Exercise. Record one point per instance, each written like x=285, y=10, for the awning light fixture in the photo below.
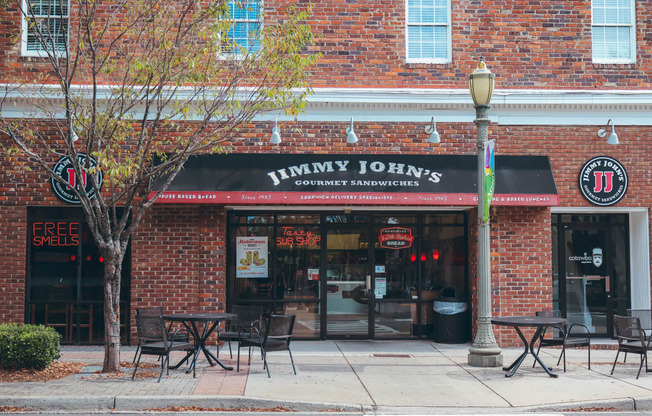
x=350, y=134
x=613, y=137
x=276, y=133
x=432, y=131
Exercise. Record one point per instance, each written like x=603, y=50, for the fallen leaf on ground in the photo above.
x=56, y=370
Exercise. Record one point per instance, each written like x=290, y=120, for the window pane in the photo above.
x=245, y=31
x=414, y=13
x=441, y=44
x=427, y=32
x=414, y=42
x=441, y=11
x=428, y=42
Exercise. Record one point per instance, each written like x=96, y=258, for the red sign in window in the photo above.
x=55, y=234
x=396, y=237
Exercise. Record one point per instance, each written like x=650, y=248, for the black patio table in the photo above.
x=516, y=322
x=190, y=321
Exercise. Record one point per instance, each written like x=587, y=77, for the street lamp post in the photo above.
x=485, y=351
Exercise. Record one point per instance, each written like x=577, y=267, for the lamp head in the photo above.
x=432, y=131
x=350, y=134
x=276, y=134
x=613, y=137
x=481, y=84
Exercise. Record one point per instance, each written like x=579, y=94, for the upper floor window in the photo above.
x=45, y=27
x=244, y=35
x=614, y=34
x=429, y=31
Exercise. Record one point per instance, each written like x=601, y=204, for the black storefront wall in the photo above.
x=358, y=180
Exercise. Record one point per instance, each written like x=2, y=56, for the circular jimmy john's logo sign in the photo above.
x=65, y=169
x=603, y=181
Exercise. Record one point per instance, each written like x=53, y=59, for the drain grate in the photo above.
x=391, y=355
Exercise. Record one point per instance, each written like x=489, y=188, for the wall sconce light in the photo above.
x=432, y=131
x=276, y=133
x=350, y=134
x=613, y=137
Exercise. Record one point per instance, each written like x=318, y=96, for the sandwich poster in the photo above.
x=251, y=257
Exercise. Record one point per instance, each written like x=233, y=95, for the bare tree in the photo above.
x=140, y=86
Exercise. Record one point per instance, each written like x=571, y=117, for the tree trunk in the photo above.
x=112, y=278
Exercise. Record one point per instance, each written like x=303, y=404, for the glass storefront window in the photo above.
x=297, y=268
x=347, y=219
x=298, y=218
x=399, y=263
x=253, y=277
x=352, y=275
x=445, y=263
x=65, y=277
x=396, y=219
x=254, y=219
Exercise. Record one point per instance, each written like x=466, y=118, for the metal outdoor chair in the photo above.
x=245, y=325
x=179, y=335
x=276, y=337
x=645, y=317
x=563, y=336
x=631, y=339
x=153, y=339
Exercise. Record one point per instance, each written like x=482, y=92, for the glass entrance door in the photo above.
x=587, y=279
x=348, y=283
x=593, y=271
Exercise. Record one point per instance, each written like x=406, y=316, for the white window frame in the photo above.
x=449, y=40
x=24, y=31
x=236, y=54
x=632, y=36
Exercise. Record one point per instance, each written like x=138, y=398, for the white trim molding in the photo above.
x=396, y=105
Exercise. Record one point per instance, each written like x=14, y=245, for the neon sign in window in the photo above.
x=55, y=234
x=297, y=237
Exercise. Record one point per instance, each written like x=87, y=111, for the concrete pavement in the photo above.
x=382, y=377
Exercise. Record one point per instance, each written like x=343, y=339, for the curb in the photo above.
x=143, y=403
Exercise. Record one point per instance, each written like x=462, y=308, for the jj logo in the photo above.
x=604, y=181
x=65, y=169
x=72, y=178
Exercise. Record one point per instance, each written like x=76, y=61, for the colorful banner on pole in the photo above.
x=489, y=177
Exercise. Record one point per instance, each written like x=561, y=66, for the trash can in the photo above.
x=451, y=318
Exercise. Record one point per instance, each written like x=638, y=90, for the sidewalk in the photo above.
x=356, y=376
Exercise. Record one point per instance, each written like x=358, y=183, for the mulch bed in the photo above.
x=61, y=369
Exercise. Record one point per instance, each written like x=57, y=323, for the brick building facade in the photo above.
x=554, y=90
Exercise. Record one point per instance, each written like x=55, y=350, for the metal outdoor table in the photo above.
x=190, y=321
x=516, y=322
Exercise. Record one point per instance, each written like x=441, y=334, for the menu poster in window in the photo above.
x=380, y=287
x=313, y=274
x=251, y=257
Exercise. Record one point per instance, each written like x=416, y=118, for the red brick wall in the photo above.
x=178, y=251
x=528, y=44
x=178, y=257
x=13, y=240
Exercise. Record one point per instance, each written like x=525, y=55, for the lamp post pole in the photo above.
x=484, y=351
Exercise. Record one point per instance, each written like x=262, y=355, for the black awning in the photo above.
x=358, y=179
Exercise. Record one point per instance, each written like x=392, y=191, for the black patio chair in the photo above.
x=179, y=335
x=153, y=339
x=245, y=325
x=631, y=339
x=564, y=337
x=645, y=317
x=276, y=337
